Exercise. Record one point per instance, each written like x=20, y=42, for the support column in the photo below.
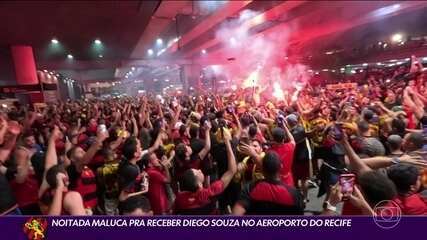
x=25, y=66
x=25, y=70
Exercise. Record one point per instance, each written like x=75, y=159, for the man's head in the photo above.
x=253, y=130
x=28, y=139
x=132, y=149
x=192, y=180
x=194, y=131
x=398, y=126
x=394, y=142
x=271, y=165
x=292, y=120
x=256, y=145
x=76, y=154
x=51, y=176
x=363, y=127
x=406, y=178
x=151, y=160
x=136, y=206
x=376, y=187
x=279, y=135
x=183, y=152
x=413, y=141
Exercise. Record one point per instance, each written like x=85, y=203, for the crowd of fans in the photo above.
x=213, y=154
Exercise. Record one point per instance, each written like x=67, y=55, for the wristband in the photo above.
x=395, y=160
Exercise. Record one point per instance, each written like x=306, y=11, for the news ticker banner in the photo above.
x=207, y=227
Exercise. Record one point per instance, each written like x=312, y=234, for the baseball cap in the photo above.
x=292, y=118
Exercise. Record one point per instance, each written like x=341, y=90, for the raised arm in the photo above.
x=289, y=134
x=10, y=142
x=51, y=158
x=231, y=161
x=356, y=164
x=157, y=143
x=204, y=152
x=90, y=153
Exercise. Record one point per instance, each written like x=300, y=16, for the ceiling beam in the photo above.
x=161, y=19
x=230, y=8
x=108, y=64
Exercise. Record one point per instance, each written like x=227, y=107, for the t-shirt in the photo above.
x=7, y=199
x=157, y=190
x=199, y=202
x=301, y=149
x=269, y=197
x=286, y=154
x=414, y=204
x=108, y=176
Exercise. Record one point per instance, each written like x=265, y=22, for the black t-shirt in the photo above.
x=7, y=199
x=301, y=150
x=129, y=177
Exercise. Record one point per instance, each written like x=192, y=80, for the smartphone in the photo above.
x=102, y=128
x=346, y=182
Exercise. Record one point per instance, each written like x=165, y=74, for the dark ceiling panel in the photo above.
x=76, y=24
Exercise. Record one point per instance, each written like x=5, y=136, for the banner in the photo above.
x=340, y=86
x=206, y=228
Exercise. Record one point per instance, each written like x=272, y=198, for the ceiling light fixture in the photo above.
x=54, y=41
x=69, y=56
x=97, y=41
x=397, y=37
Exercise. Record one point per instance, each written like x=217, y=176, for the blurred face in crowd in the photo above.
x=154, y=160
x=29, y=141
x=138, y=152
x=417, y=185
x=139, y=212
x=391, y=97
x=188, y=152
x=256, y=146
x=74, y=138
x=200, y=178
x=78, y=154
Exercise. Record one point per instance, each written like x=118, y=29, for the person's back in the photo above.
x=286, y=153
x=407, y=180
x=270, y=196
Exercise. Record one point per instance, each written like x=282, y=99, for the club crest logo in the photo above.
x=35, y=228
